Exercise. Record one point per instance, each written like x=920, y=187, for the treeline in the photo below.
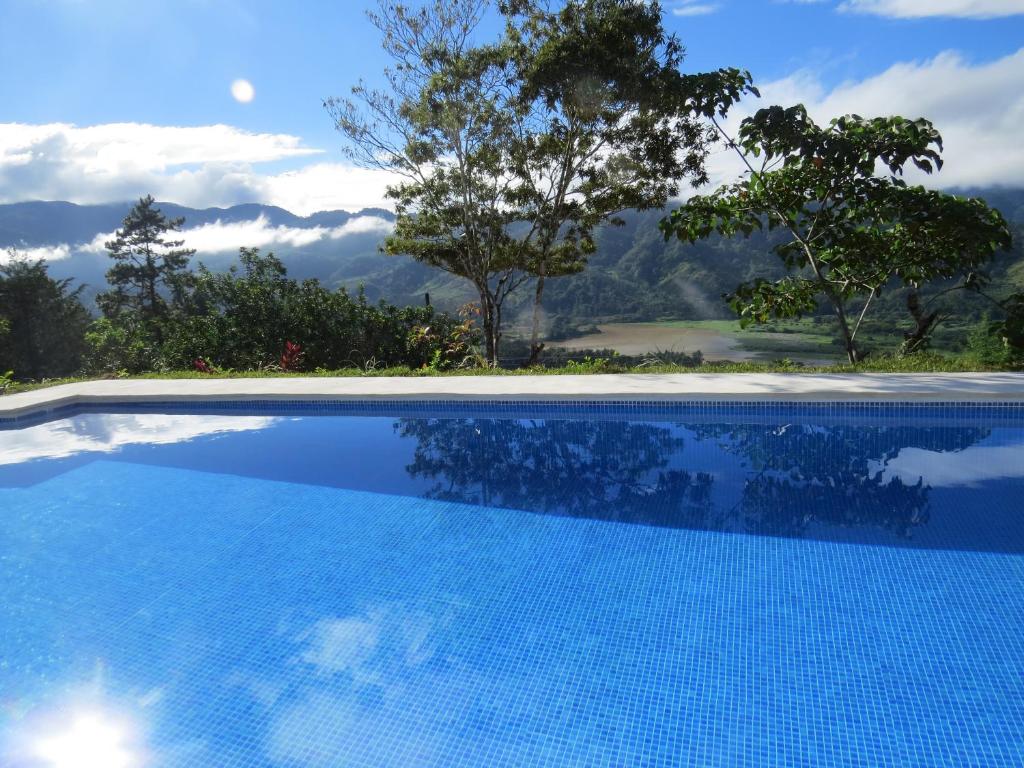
x=160, y=316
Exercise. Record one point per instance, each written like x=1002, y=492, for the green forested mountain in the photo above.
x=635, y=274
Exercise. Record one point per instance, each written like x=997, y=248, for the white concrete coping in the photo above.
x=882, y=387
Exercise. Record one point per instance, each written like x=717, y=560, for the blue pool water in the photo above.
x=601, y=588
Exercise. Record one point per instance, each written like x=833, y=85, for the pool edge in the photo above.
x=962, y=388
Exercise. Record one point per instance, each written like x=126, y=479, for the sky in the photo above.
x=108, y=100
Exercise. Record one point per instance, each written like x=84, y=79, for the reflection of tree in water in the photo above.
x=805, y=475
x=598, y=469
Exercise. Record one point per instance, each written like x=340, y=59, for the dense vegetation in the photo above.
x=160, y=316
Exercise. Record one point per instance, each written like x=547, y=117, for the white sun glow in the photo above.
x=242, y=91
x=90, y=741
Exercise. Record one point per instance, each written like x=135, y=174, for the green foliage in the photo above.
x=919, y=363
x=599, y=128
x=1000, y=343
x=41, y=321
x=6, y=380
x=662, y=357
x=448, y=345
x=1011, y=329
x=589, y=365
x=244, y=318
x=847, y=233
x=120, y=346
x=146, y=265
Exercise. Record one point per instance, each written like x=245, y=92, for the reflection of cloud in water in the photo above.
x=970, y=466
x=373, y=669
x=342, y=645
x=326, y=730
x=385, y=687
x=106, y=433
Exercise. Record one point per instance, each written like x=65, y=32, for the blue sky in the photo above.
x=94, y=63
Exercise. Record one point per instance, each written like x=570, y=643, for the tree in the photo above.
x=440, y=126
x=43, y=319
x=146, y=265
x=849, y=232
x=598, y=129
x=513, y=152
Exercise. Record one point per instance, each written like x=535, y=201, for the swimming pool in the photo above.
x=513, y=584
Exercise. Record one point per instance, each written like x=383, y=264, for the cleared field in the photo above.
x=716, y=339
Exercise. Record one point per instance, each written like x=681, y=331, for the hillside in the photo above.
x=634, y=275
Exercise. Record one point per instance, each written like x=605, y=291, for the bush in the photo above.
x=246, y=318
x=42, y=321
x=120, y=345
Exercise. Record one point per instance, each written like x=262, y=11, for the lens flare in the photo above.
x=90, y=741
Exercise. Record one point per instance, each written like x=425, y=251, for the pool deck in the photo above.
x=887, y=387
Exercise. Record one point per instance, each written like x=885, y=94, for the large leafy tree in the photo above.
x=439, y=127
x=598, y=129
x=512, y=152
x=848, y=231
x=44, y=320
x=147, y=265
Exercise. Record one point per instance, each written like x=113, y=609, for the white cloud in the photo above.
x=915, y=9
x=258, y=233
x=978, y=109
x=109, y=433
x=694, y=8
x=44, y=252
x=200, y=166
x=968, y=467
x=119, y=148
x=325, y=187
x=220, y=236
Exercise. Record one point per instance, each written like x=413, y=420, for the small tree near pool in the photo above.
x=849, y=232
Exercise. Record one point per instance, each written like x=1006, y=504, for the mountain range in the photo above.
x=634, y=275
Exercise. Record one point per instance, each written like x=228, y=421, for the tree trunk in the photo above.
x=924, y=324
x=491, y=318
x=536, y=345
x=852, y=353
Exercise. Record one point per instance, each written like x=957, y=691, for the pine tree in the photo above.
x=146, y=265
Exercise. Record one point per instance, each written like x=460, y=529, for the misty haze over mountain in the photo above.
x=635, y=274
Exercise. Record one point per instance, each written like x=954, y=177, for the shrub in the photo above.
x=254, y=317
x=42, y=321
x=120, y=345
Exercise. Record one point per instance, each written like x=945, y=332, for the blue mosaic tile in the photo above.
x=858, y=410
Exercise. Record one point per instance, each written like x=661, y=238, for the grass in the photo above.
x=930, y=363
